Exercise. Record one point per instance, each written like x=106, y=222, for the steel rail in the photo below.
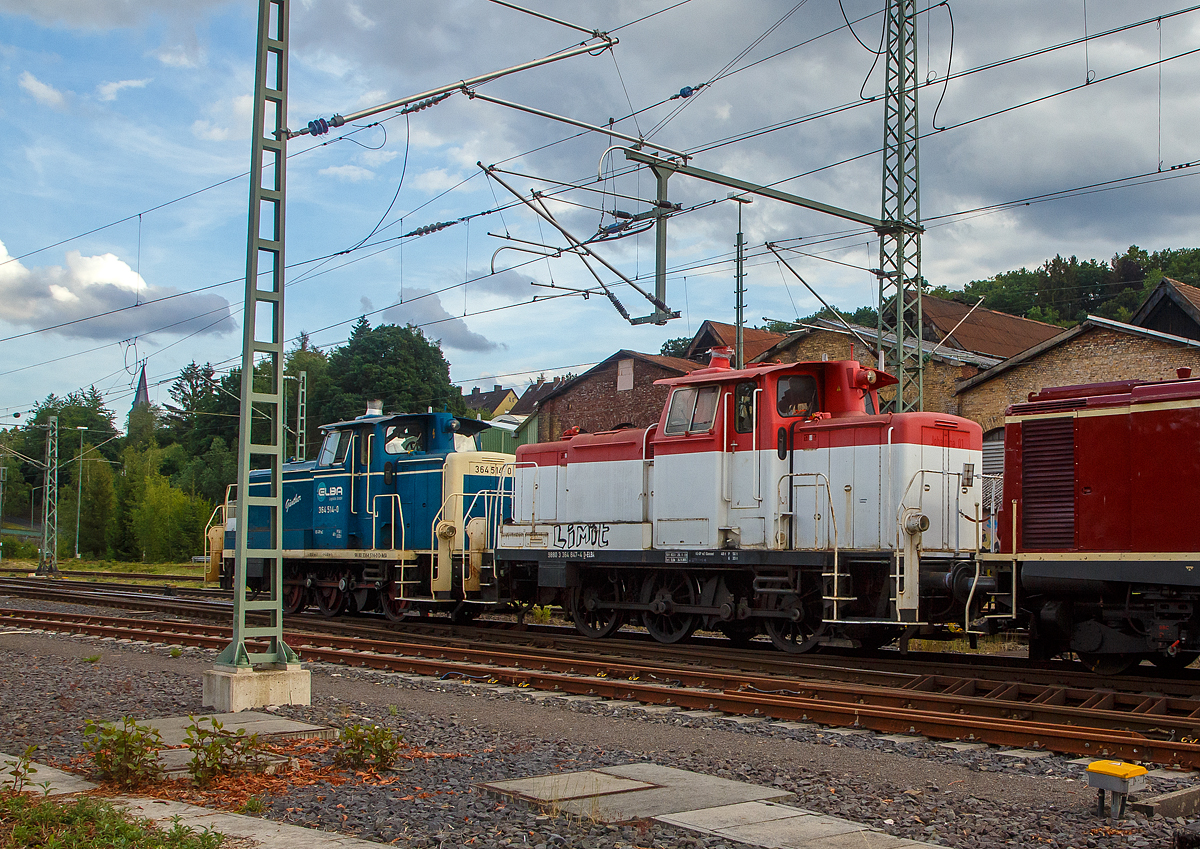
x=874, y=708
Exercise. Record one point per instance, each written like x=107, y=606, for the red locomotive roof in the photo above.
x=1118, y=393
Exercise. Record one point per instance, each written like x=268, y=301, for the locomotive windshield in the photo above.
x=797, y=395
x=334, y=448
x=692, y=410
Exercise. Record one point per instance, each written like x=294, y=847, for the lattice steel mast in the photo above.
x=48, y=562
x=900, y=281
x=262, y=344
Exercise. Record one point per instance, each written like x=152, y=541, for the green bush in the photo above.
x=126, y=753
x=216, y=751
x=368, y=747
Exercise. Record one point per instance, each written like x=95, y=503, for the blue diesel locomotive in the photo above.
x=398, y=513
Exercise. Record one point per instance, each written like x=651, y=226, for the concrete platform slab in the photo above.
x=844, y=732
x=632, y=791
x=730, y=816
x=794, y=726
x=264, y=833
x=783, y=827
x=172, y=729
x=742, y=720
x=580, y=698
x=60, y=783
x=1173, y=774
x=571, y=785
x=700, y=714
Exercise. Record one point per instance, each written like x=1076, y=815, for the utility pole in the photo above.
x=263, y=314
x=48, y=563
x=79, y=497
x=900, y=281
x=740, y=281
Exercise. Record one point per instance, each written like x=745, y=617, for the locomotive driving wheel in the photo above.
x=295, y=596
x=330, y=594
x=665, y=592
x=394, y=608
x=588, y=606
x=794, y=634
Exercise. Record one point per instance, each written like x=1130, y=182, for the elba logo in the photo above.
x=324, y=492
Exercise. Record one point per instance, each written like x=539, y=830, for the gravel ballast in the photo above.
x=50, y=684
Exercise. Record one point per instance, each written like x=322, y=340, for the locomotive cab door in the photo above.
x=743, y=444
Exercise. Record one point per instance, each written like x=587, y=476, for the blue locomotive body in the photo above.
x=398, y=513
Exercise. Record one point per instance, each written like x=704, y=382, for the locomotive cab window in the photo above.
x=692, y=410
x=797, y=395
x=334, y=448
x=743, y=407
x=404, y=437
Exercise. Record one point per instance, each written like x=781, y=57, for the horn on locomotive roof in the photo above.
x=375, y=407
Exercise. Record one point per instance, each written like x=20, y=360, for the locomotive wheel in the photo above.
x=1109, y=664
x=394, y=608
x=295, y=597
x=1174, y=663
x=330, y=597
x=665, y=591
x=793, y=636
x=591, y=620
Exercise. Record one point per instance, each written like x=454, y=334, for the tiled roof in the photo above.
x=754, y=341
x=986, y=331
x=1190, y=292
x=530, y=398
x=489, y=401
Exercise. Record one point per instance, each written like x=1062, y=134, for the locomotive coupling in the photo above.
x=914, y=521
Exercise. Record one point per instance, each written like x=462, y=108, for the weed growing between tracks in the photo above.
x=310, y=763
x=87, y=823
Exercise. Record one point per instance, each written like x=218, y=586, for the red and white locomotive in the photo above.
x=774, y=498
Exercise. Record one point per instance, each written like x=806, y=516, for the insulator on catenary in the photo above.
x=429, y=228
x=425, y=104
x=320, y=126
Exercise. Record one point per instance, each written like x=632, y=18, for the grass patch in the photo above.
x=88, y=824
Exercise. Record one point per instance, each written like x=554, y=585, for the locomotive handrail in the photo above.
x=900, y=508
x=374, y=511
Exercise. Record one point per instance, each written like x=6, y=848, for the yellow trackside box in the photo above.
x=1117, y=776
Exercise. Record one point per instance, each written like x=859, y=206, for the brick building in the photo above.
x=1095, y=351
x=618, y=391
x=944, y=368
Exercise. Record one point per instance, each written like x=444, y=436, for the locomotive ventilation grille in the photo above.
x=1048, y=483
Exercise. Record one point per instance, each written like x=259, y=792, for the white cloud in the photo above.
x=93, y=286
x=376, y=158
x=358, y=18
x=109, y=91
x=231, y=119
x=425, y=310
x=435, y=180
x=349, y=173
x=42, y=92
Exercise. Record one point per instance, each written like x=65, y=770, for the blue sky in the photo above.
x=113, y=108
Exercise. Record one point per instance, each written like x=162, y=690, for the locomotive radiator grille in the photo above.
x=1048, y=483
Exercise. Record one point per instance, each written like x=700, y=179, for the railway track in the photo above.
x=1140, y=726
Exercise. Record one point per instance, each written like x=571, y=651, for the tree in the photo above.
x=397, y=365
x=676, y=347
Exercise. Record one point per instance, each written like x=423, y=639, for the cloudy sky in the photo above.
x=127, y=125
